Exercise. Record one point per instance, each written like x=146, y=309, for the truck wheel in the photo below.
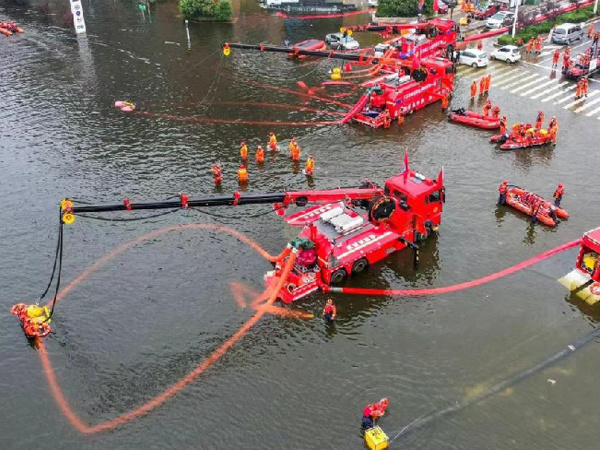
x=338, y=276
x=359, y=266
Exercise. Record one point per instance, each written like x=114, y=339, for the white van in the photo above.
x=567, y=33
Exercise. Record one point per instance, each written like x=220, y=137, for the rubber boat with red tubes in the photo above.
x=315, y=45
x=540, y=139
x=474, y=119
x=526, y=202
x=11, y=26
x=584, y=279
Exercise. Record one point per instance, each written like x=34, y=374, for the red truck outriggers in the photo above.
x=584, y=280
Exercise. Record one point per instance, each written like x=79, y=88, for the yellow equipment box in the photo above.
x=376, y=439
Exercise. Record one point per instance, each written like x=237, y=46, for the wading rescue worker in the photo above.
x=216, y=171
x=330, y=311
x=244, y=151
x=272, y=141
x=558, y=194
x=473, y=89
x=502, y=191
x=373, y=412
x=486, y=107
x=242, y=174
x=496, y=112
x=503, y=125
x=309, y=168
x=540, y=120
x=260, y=155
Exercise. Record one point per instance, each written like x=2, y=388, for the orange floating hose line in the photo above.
x=158, y=400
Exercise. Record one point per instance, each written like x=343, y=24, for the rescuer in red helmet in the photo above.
x=502, y=190
x=558, y=194
x=216, y=171
x=486, y=107
x=330, y=311
x=260, y=155
x=272, y=141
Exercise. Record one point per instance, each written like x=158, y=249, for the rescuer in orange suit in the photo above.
x=488, y=82
x=216, y=171
x=272, y=141
x=370, y=414
x=585, y=84
x=538, y=45
x=330, y=311
x=479, y=45
x=555, y=58
x=242, y=174
x=502, y=191
x=566, y=61
x=294, y=150
x=486, y=107
x=529, y=48
x=481, y=85
x=310, y=165
x=260, y=155
x=496, y=111
x=503, y=124
x=558, y=194
x=473, y=89
x=540, y=120
x=244, y=151
x=445, y=102
x=400, y=119
x=579, y=89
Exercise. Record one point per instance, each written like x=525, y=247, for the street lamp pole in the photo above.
x=596, y=7
x=514, y=27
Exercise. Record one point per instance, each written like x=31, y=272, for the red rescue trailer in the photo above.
x=584, y=280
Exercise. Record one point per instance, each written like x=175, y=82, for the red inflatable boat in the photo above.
x=309, y=44
x=474, y=119
x=537, y=141
x=526, y=201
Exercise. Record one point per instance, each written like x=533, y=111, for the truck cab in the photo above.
x=584, y=280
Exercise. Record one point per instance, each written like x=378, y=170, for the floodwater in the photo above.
x=148, y=317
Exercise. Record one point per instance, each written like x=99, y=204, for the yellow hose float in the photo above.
x=336, y=74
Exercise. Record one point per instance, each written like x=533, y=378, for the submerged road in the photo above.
x=154, y=313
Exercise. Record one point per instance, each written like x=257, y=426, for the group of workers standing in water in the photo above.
x=295, y=154
x=484, y=86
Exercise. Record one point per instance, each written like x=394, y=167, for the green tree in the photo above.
x=402, y=8
x=223, y=10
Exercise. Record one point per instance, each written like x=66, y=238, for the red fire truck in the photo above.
x=342, y=234
x=584, y=280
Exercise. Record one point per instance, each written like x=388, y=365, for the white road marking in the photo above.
x=537, y=80
x=499, y=77
x=494, y=73
x=580, y=100
x=558, y=93
x=521, y=80
x=587, y=105
x=591, y=113
x=537, y=88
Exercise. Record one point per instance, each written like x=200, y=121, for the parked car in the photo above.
x=500, y=19
x=567, y=33
x=508, y=53
x=484, y=12
x=472, y=57
x=339, y=42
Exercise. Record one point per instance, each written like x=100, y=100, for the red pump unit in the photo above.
x=584, y=280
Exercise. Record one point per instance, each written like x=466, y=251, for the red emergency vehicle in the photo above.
x=584, y=280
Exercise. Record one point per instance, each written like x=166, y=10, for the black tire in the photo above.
x=474, y=65
x=359, y=266
x=339, y=276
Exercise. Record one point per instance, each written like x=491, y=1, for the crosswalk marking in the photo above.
x=495, y=73
x=580, y=100
x=544, y=100
x=586, y=105
x=511, y=78
x=504, y=75
x=519, y=81
x=523, y=86
x=595, y=111
x=537, y=88
x=546, y=91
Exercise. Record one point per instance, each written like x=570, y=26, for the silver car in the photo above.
x=339, y=42
x=567, y=33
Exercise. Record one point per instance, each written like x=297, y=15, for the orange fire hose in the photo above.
x=161, y=398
